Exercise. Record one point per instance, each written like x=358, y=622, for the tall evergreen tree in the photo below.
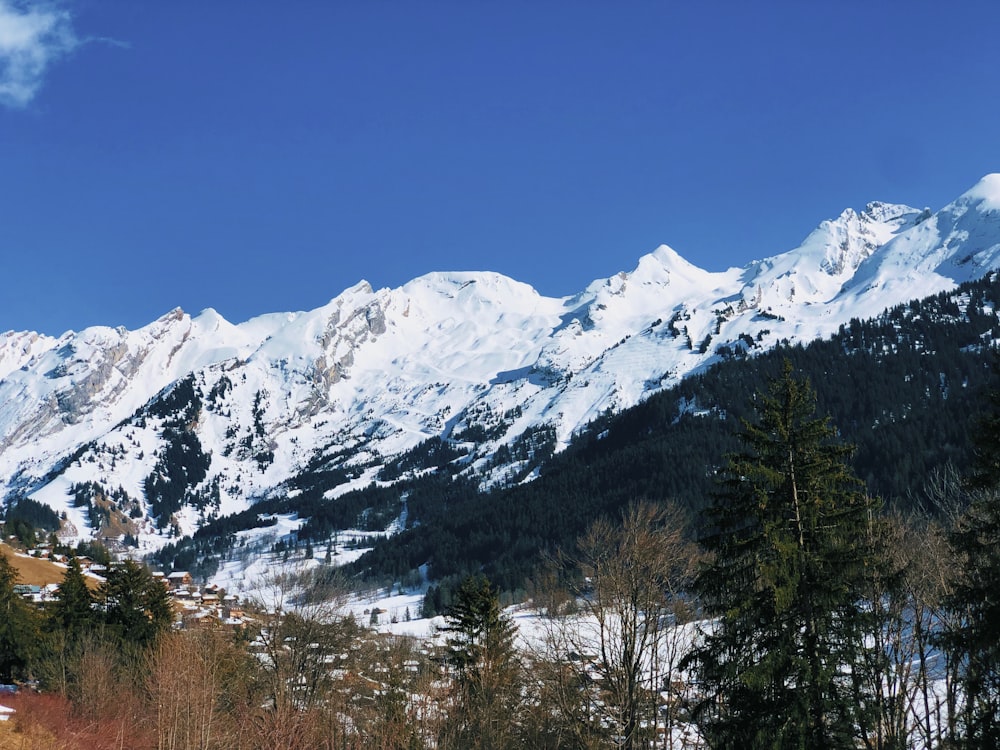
x=136, y=605
x=487, y=672
x=787, y=534
x=69, y=622
x=73, y=610
x=18, y=627
x=974, y=644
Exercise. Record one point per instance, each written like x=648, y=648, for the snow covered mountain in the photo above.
x=148, y=433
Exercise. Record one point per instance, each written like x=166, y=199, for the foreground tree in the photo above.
x=137, y=608
x=903, y=683
x=974, y=644
x=399, y=711
x=788, y=535
x=632, y=578
x=73, y=608
x=196, y=684
x=302, y=630
x=487, y=670
x=69, y=621
x=18, y=627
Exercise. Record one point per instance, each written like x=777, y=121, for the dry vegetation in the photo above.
x=34, y=571
x=48, y=722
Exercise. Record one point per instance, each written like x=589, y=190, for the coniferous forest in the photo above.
x=904, y=389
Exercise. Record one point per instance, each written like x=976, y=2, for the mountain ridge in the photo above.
x=449, y=354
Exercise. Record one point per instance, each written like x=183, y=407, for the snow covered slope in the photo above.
x=149, y=432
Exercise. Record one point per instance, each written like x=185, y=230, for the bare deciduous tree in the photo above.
x=623, y=647
x=302, y=631
x=194, y=680
x=912, y=683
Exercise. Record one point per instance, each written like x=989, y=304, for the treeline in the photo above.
x=369, y=509
x=125, y=614
x=25, y=518
x=301, y=675
x=112, y=673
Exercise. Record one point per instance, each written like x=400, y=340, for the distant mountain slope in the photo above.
x=147, y=435
x=905, y=388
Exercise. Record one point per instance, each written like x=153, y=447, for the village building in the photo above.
x=179, y=578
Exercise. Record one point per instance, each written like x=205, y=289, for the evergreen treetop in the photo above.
x=136, y=605
x=479, y=630
x=72, y=610
x=788, y=539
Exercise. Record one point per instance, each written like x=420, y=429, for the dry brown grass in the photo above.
x=24, y=732
x=13, y=737
x=47, y=722
x=37, y=572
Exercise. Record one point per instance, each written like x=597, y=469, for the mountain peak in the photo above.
x=986, y=193
x=666, y=266
x=889, y=213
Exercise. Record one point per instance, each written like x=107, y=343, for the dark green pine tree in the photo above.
x=787, y=533
x=136, y=605
x=19, y=632
x=73, y=610
x=487, y=671
x=480, y=634
x=975, y=643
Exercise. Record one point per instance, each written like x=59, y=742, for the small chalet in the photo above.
x=179, y=578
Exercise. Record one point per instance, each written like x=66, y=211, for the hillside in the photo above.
x=904, y=388
x=35, y=571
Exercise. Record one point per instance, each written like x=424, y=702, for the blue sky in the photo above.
x=258, y=156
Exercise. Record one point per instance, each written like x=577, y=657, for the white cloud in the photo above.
x=32, y=37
